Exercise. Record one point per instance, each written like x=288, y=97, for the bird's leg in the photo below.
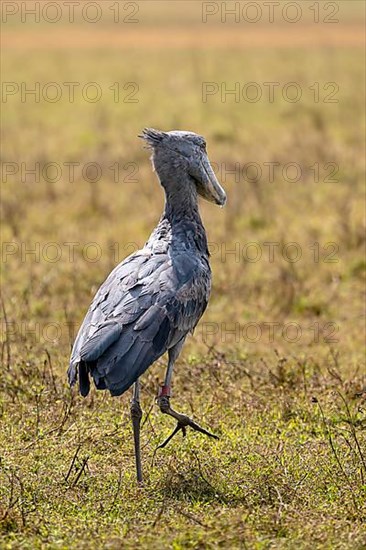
x=136, y=414
x=164, y=404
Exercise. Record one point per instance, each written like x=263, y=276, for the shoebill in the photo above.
x=154, y=298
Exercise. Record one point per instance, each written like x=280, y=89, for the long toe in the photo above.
x=182, y=425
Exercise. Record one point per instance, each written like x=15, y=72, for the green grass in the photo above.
x=289, y=468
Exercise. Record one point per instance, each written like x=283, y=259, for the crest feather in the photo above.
x=151, y=136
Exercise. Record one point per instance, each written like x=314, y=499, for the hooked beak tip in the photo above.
x=220, y=196
x=223, y=202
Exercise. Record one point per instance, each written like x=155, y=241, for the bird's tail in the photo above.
x=81, y=370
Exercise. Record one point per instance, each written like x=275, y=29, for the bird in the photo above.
x=155, y=297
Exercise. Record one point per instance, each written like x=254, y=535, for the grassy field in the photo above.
x=276, y=367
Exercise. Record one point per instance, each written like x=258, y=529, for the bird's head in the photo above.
x=185, y=152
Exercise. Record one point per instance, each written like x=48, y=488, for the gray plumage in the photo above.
x=156, y=296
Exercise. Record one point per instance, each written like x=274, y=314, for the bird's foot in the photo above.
x=183, y=420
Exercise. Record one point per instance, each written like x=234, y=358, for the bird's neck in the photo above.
x=181, y=200
x=181, y=219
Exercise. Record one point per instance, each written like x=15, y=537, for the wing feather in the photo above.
x=146, y=305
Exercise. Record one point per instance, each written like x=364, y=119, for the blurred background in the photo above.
x=277, y=90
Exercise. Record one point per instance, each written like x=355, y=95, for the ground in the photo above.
x=276, y=367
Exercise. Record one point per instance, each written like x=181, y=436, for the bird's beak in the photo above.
x=209, y=187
